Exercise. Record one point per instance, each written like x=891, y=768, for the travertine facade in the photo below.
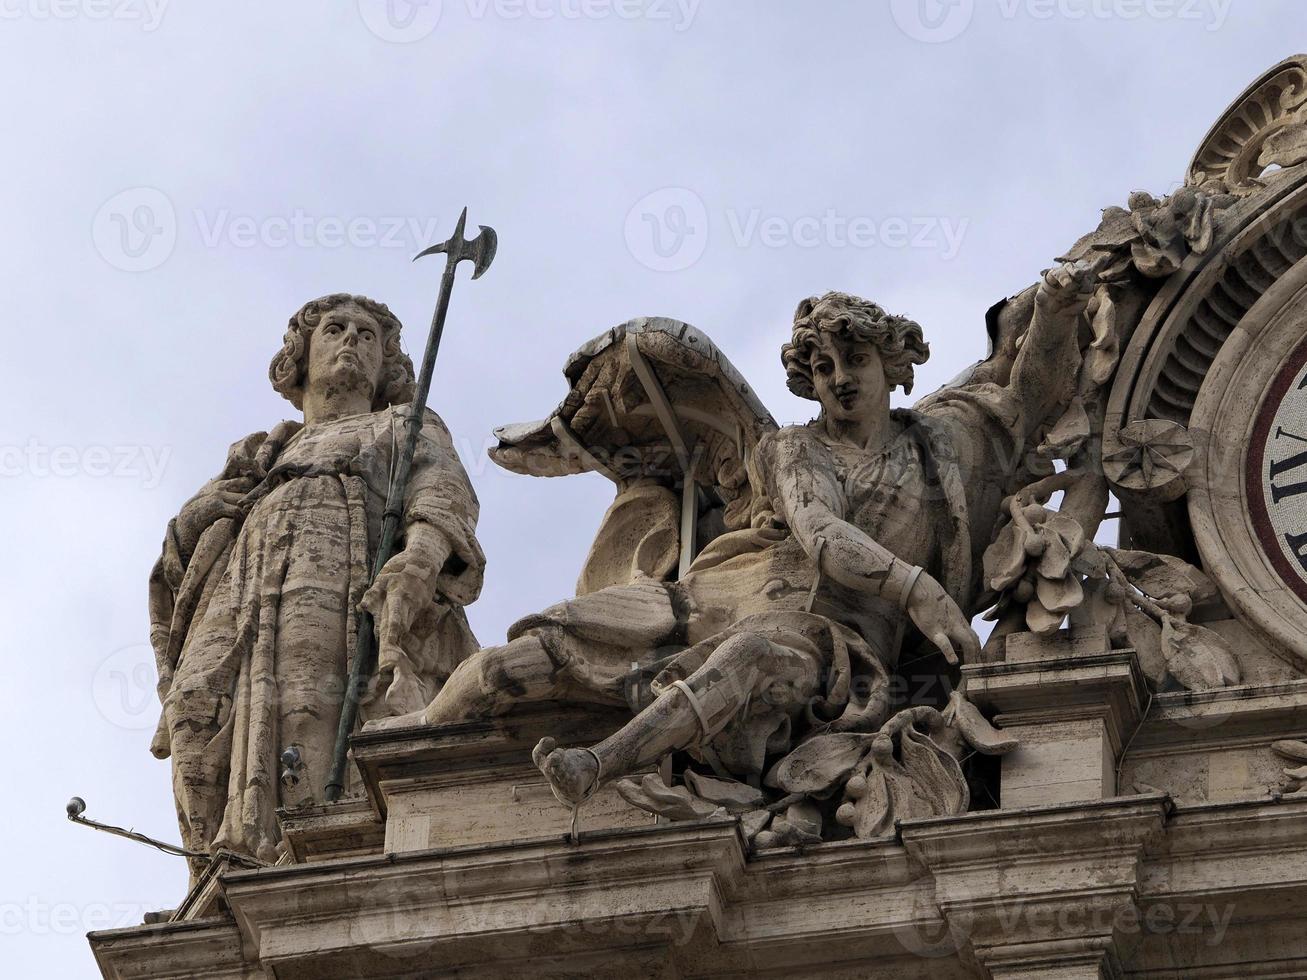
x=762, y=738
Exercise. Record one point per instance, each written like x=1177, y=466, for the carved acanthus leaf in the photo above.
x=651, y=794
x=1165, y=578
x=923, y=781
x=1034, y=562
x=975, y=729
x=821, y=764
x=1146, y=637
x=1197, y=657
x=1287, y=147
x=735, y=796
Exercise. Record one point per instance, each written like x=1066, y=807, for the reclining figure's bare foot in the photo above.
x=414, y=719
x=573, y=774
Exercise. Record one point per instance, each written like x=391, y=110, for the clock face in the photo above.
x=1246, y=489
x=1276, y=474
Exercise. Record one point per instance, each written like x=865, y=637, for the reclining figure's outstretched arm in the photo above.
x=809, y=499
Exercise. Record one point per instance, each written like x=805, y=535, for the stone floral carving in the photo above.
x=1034, y=562
x=1154, y=595
x=1153, y=236
x=1042, y=567
x=1152, y=458
x=1170, y=228
x=252, y=602
x=1071, y=436
x=909, y=768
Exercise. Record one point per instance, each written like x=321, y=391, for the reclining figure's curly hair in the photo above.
x=898, y=339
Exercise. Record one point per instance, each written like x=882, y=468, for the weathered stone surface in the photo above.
x=1085, y=889
x=253, y=602
x=807, y=590
x=476, y=784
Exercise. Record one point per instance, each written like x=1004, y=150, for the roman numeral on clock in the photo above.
x=1284, y=466
x=1298, y=545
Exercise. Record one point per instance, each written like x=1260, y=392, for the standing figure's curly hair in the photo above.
x=898, y=339
x=289, y=369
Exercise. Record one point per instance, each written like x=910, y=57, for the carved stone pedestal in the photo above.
x=475, y=783
x=1073, y=704
x=1090, y=730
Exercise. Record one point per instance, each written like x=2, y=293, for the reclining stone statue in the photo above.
x=253, y=601
x=854, y=534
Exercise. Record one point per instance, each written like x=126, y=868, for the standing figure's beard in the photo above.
x=346, y=376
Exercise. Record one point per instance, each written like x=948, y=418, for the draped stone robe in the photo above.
x=254, y=627
x=929, y=497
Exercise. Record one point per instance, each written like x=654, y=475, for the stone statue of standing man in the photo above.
x=253, y=600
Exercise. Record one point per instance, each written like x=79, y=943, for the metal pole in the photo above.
x=481, y=250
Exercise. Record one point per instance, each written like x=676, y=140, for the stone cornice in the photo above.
x=1001, y=892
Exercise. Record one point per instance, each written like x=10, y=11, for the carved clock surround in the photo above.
x=1230, y=421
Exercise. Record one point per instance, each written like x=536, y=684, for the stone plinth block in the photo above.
x=474, y=783
x=1073, y=703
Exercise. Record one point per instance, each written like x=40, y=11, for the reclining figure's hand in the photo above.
x=941, y=621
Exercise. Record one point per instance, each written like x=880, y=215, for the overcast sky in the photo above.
x=178, y=178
